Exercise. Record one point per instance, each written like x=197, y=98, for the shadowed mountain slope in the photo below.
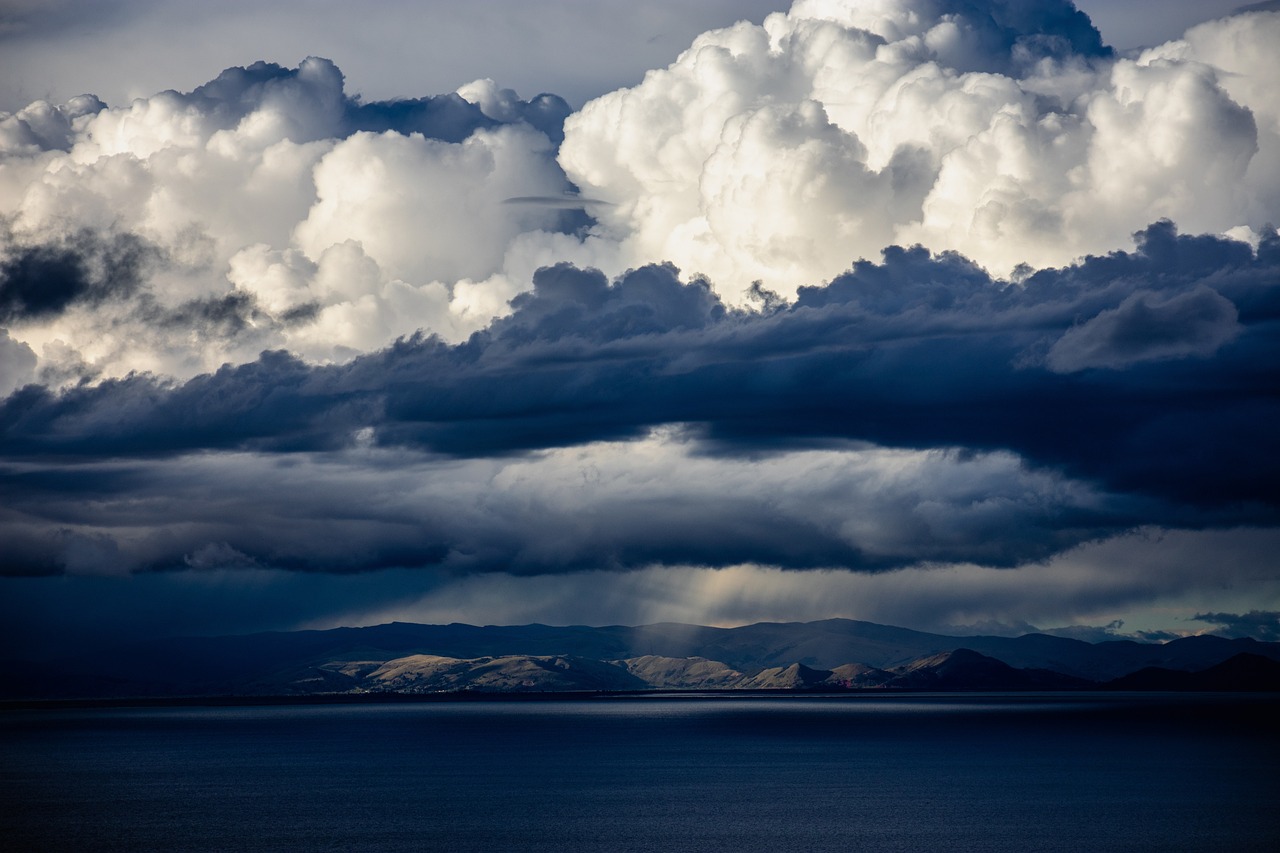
x=965, y=669
x=1242, y=672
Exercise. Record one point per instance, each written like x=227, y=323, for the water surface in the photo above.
x=1016, y=773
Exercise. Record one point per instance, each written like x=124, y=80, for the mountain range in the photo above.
x=833, y=654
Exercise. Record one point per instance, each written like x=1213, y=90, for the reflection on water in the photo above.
x=993, y=772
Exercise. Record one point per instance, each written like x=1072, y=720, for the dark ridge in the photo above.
x=1244, y=672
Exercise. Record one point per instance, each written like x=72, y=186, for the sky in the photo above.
x=959, y=315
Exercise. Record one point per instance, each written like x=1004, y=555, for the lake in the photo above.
x=1019, y=772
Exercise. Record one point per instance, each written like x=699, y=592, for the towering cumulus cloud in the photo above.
x=1004, y=130
x=871, y=286
x=278, y=211
x=270, y=209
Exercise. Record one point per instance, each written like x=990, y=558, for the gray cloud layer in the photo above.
x=1259, y=624
x=916, y=352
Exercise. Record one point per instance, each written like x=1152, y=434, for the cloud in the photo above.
x=1260, y=624
x=51, y=617
x=919, y=351
x=1146, y=576
x=1236, y=47
x=17, y=364
x=563, y=46
x=42, y=126
x=40, y=280
x=1144, y=328
x=1090, y=633
x=778, y=153
x=1005, y=131
x=25, y=18
x=605, y=505
x=459, y=228
x=271, y=189
x=266, y=325
x=908, y=412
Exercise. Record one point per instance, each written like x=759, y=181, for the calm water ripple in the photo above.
x=1015, y=773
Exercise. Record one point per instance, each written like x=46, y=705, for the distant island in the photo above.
x=834, y=655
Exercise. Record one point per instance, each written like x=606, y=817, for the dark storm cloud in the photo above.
x=51, y=617
x=43, y=280
x=1259, y=624
x=918, y=351
x=1145, y=327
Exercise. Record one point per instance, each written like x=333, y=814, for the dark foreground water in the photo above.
x=1016, y=773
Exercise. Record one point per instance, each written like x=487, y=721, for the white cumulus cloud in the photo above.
x=785, y=151
x=283, y=213
x=275, y=221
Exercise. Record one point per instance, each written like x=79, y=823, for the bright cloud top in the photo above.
x=1004, y=131
x=269, y=209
